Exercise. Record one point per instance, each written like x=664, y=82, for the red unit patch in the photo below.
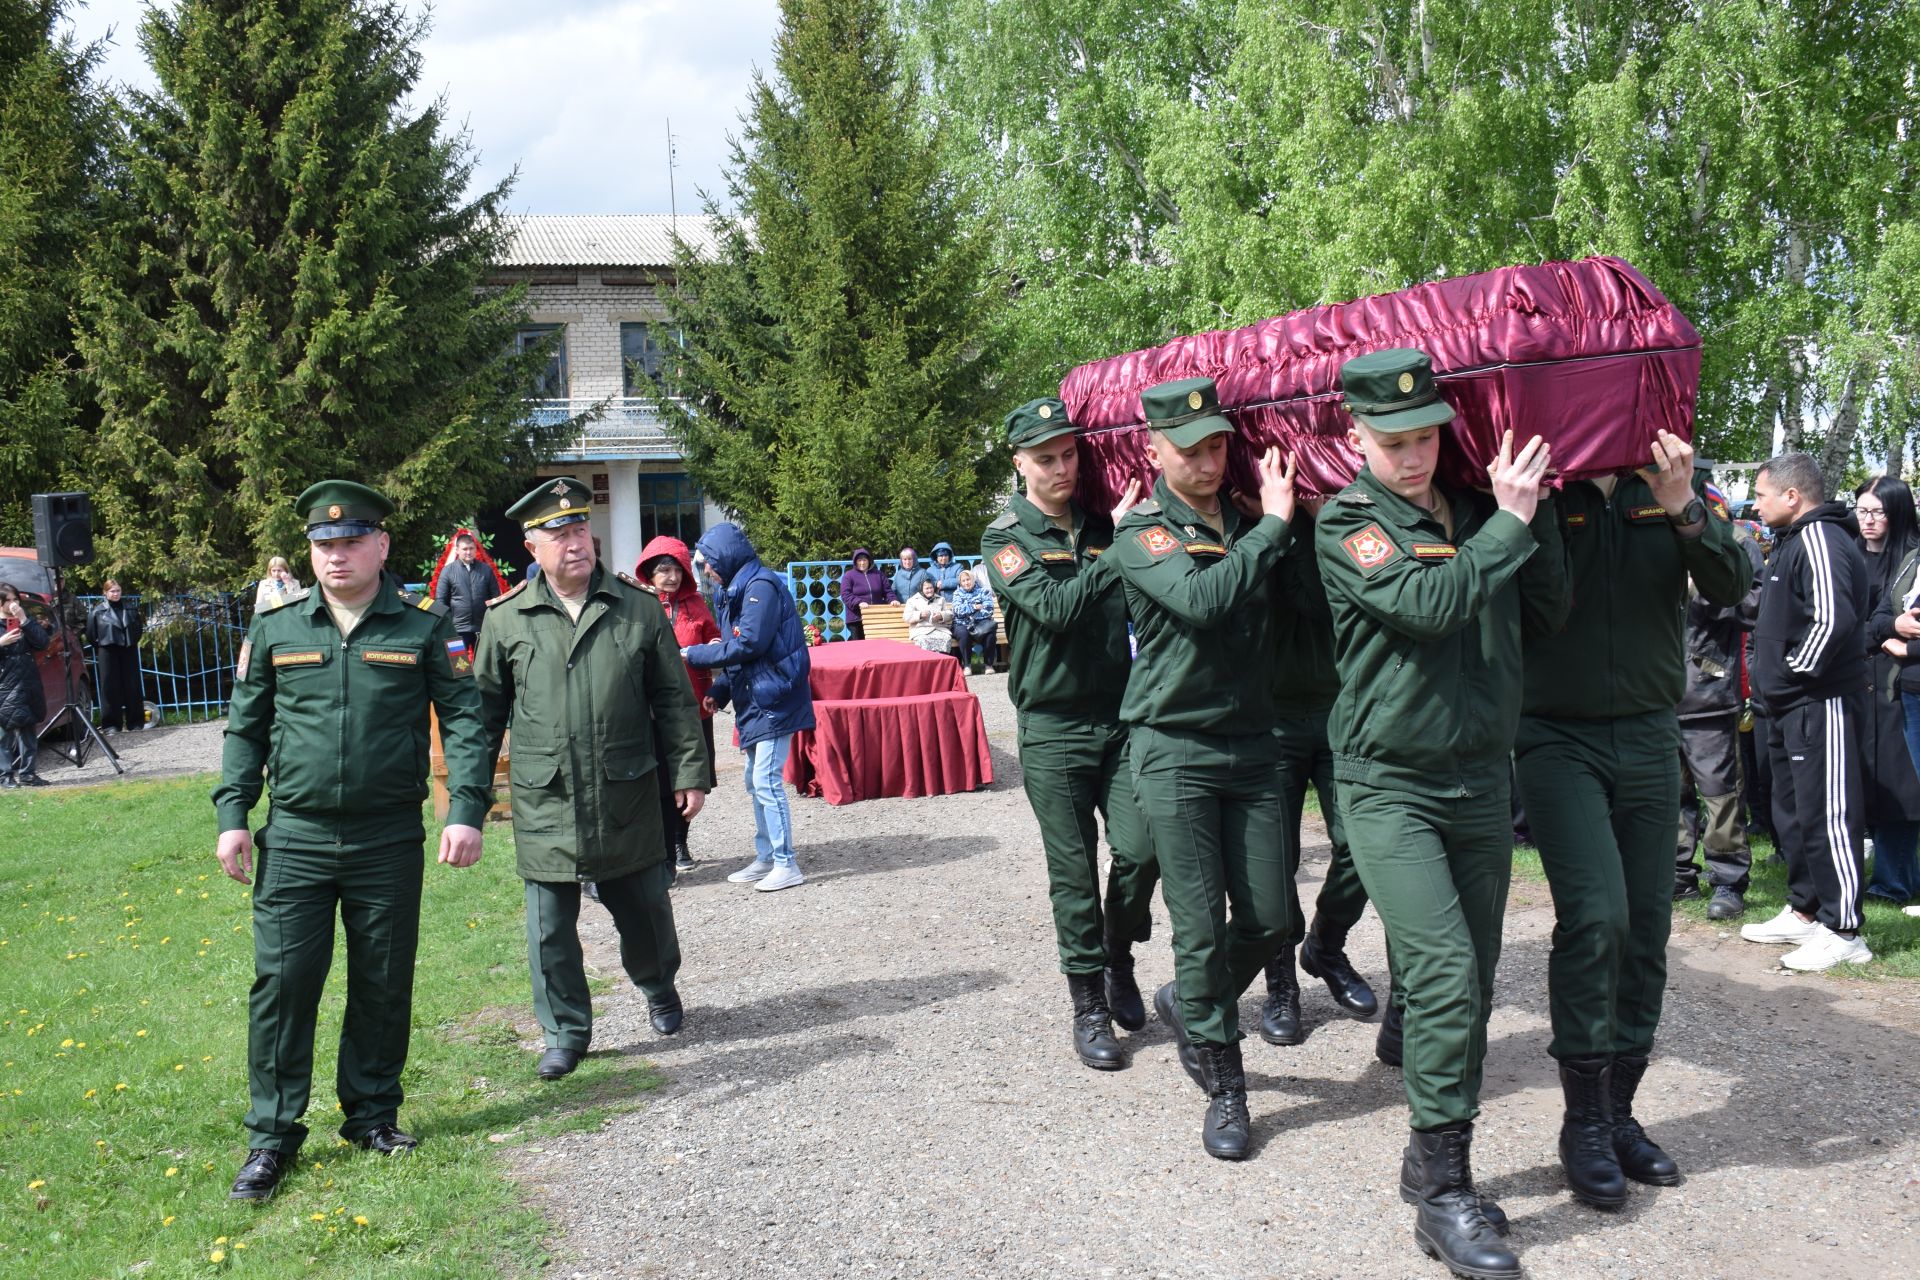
x=1370, y=548
x=1009, y=562
x=1158, y=541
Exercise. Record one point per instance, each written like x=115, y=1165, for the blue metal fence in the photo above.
x=816, y=589
x=188, y=653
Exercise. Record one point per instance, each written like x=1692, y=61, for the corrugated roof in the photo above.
x=602, y=239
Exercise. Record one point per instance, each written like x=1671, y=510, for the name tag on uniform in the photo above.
x=1647, y=515
x=390, y=657
x=1577, y=521
x=299, y=657
x=1057, y=557
x=1434, y=550
x=1094, y=551
x=1205, y=549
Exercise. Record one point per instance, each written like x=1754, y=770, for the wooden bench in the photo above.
x=889, y=622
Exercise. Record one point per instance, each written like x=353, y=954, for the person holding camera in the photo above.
x=23, y=702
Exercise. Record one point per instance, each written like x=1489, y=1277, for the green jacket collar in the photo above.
x=1038, y=522
x=1397, y=509
x=541, y=594
x=1174, y=511
x=386, y=599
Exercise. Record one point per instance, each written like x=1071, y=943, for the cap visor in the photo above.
x=1188, y=434
x=345, y=529
x=1437, y=414
x=1050, y=433
x=561, y=522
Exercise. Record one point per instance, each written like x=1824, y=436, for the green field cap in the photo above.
x=341, y=509
x=1037, y=420
x=1393, y=391
x=1185, y=411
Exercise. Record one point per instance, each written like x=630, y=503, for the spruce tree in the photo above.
x=837, y=385
x=289, y=288
x=51, y=126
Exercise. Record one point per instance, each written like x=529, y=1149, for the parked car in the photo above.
x=63, y=663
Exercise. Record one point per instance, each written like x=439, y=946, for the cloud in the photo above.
x=577, y=93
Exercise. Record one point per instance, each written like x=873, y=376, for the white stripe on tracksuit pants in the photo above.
x=1819, y=806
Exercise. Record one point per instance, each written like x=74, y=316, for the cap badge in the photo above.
x=559, y=488
x=333, y=512
x=1406, y=383
x=1045, y=411
x=1194, y=400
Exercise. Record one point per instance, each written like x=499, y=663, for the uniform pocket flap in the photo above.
x=628, y=765
x=532, y=770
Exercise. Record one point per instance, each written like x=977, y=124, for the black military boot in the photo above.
x=1640, y=1156
x=1410, y=1189
x=1323, y=956
x=1450, y=1222
x=1387, y=1045
x=1093, y=1025
x=1166, y=1003
x=1123, y=993
x=1280, y=1015
x=1586, y=1135
x=1228, y=1131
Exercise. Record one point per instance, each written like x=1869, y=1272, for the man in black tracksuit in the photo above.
x=1809, y=671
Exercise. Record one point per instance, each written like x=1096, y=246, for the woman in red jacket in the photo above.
x=666, y=569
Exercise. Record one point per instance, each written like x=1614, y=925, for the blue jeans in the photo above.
x=772, y=819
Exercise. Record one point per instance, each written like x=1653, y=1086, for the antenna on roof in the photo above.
x=673, y=203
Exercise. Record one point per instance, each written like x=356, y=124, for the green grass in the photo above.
x=1893, y=936
x=127, y=958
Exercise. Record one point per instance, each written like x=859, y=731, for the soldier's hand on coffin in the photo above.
x=1276, y=483
x=1517, y=478
x=1128, y=499
x=1671, y=475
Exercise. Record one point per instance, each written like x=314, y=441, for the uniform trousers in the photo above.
x=649, y=947
x=1603, y=796
x=1075, y=769
x=1819, y=806
x=1306, y=759
x=1437, y=869
x=295, y=896
x=1710, y=805
x=1213, y=805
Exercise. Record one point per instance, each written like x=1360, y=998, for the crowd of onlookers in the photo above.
x=947, y=608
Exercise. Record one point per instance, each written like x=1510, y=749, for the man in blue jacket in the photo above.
x=763, y=668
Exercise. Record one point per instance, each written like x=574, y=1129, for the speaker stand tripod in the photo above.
x=83, y=733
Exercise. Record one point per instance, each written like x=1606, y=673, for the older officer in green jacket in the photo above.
x=1598, y=736
x=1199, y=710
x=1431, y=589
x=331, y=696
x=1067, y=663
x=585, y=664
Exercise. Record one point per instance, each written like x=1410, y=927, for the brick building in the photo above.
x=594, y=280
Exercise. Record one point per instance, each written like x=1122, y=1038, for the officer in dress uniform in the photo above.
x=1199, y=710
x=331, y=695
x=1594, y=757
x=1430, y=588
x=1067, y=662
x=585, y=664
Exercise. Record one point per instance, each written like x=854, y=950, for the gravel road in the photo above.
x=875, y=1079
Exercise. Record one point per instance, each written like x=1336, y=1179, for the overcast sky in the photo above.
x=577, y=93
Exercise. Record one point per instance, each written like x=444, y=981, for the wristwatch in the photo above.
x=1693, y=513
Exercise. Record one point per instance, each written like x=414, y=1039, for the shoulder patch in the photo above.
x=1369, y=549
x=509, y=594
x=1005, y=520
x=1158, y=541
x=1353, y=498
x=291, y=598
x=245, y=661
x=1009, y=561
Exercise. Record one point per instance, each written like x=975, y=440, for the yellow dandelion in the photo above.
x=99, y=1142
x=316, y=1217
x=206, y=942
x=81, y=1045
x=219, y=1239
x=202, y=951
x=141, y=1032
x=218, y=1255
x=239, y=1244
x=359, y=1219
x=172, y=1170
x=121, y=1087
x=203, y=895
x=179, y=1066
x=36, y=1184
x=164, y=941
x=333, y=1228
x=91, y=1092
x=179, y=891
x=206, y=1057
x=66, y=1044
x=167, y=1221
x=342, y=1209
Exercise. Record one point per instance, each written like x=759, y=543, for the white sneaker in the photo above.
x=1912, y=911
x=755, y=870
x=1785, y=927
x=781, y=877
x=1825, y=950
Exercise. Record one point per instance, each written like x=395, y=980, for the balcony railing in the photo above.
x=623, y=428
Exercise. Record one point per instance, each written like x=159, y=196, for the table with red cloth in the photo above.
x=889, y=720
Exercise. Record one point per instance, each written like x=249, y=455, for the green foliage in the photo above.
x=839, y=382
x=288, y=288
x=139, y=952
x=51, y=129
x=1224, y=162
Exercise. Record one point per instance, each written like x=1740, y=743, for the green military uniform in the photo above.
x=339, y=724
x=1427, y=629
x=597, y=706
x=1067, y=663
x=1199, y=707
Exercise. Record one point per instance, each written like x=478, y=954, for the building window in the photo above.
x=670, y=505
x=641, y=356
x=552, y=382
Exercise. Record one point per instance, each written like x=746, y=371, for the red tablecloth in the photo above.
x=890, y=720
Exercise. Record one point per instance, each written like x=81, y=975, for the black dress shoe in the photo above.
x=665, y=1013
x=555, y=1063
x=1330, y=964
x=260, y=1175
x=387, y=1140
